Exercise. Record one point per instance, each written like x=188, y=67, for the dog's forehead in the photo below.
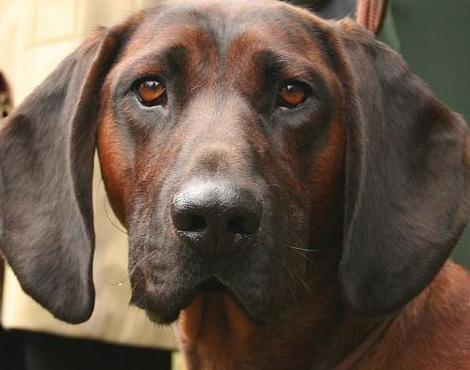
x=222, y=19
x=218, y=25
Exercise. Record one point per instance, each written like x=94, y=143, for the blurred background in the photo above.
x=35, y=35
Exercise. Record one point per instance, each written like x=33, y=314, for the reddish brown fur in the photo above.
x=215, y=335
x=115, y=165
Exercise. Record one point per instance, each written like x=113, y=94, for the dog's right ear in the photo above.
x=46, y=163
x=407, y=179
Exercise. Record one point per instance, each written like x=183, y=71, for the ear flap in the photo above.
x=46, y=164
x=407, y=180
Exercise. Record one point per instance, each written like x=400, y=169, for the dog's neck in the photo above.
x=216, y=335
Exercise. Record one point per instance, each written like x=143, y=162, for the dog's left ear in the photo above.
x=407, y=178
x=46, y=163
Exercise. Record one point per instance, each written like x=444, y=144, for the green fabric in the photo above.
x=434, y=38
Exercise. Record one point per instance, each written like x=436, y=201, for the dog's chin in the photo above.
x=169, y=312
x=163, y=318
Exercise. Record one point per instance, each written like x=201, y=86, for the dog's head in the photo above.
x=246, y=146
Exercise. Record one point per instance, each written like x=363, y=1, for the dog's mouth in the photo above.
x=211, y=286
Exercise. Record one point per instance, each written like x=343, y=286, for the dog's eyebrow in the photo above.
x=165, y=63
x=276, y=65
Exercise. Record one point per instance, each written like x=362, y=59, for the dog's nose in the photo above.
x=214, y=216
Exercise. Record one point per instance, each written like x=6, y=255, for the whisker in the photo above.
x=141, y=261
x=307, y=258
x=304, y=283
x=285, y=282
x=306, y=249
x=292, y=280
x=106, y=211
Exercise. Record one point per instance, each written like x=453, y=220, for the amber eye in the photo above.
x=292, y=94
x=151, y=92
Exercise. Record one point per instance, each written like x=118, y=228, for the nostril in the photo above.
x=246, y=224
x=190, y=222
x=215, y=216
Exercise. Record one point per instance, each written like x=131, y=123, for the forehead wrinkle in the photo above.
x=175, y=35
x=222, y=36
x=287, y=30
x=220, y=20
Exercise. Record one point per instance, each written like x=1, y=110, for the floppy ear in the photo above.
x=46, y=164
x=407, y=179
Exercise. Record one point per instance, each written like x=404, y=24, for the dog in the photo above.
x=292, y=192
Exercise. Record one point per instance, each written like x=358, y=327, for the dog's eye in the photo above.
x=292, y=94
x=151, y=92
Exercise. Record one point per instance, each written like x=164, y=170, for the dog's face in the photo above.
x=228, y=163
x=251, y=149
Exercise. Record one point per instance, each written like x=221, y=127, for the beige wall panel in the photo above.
x=53, y=20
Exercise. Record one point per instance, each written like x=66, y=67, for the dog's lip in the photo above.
x=211, y=286
x=216, y=287
x=208, y=287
